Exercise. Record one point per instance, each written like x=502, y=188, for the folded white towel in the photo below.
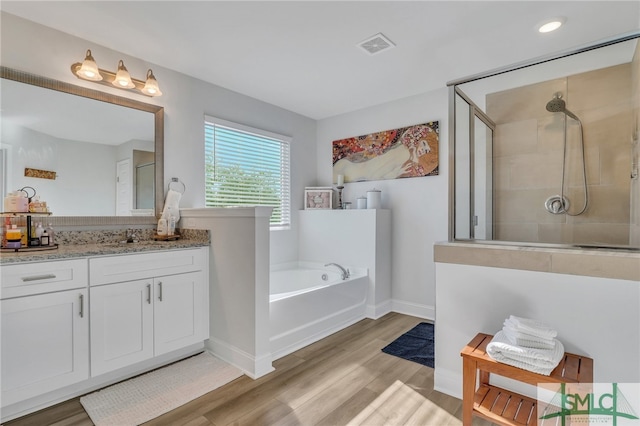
x=172, y=205
x=531, y=326
x=527, y=340
x=541, y=361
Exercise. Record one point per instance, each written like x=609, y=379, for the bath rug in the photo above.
x=417, y=345
x=147, y=396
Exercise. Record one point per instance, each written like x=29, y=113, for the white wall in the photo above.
x=352, y=238
x=30, y=47
x=71, y=193
x=419, y=205
x=596, y=317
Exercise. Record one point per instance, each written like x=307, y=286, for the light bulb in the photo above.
x=151, y=85
x=123, y=79
x=89, y=69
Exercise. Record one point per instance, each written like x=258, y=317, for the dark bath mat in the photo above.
x=416, y=345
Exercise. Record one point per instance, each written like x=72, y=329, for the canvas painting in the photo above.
x=399, y=153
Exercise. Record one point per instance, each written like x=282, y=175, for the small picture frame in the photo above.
x=318, y=198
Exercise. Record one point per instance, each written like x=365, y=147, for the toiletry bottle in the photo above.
x=52, y=235
x=23, y=229
x=14, y=237
x=44, y=239
x=39, y=230
x=162, y=226
x=172, y=225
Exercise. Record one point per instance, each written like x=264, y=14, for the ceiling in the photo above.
x=304, y=56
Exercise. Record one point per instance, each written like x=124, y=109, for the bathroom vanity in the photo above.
x=74, y=321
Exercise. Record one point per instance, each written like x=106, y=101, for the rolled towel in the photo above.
x=172, y=205
x=527, y=340
x=531, y=326
x=541, y=361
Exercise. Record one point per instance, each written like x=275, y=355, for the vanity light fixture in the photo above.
x=88, y=70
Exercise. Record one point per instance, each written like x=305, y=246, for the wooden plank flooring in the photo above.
x=343, y=379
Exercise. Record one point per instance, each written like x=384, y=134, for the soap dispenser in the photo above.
x=162, y=226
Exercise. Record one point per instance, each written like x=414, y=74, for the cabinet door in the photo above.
x=179, y=311
x=121, y=325
x=45, y=343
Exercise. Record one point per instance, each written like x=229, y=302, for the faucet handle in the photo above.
x=131, y=235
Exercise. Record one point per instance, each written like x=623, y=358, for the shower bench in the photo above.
x=501, y=406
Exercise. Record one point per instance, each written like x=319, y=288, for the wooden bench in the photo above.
x=501, y=406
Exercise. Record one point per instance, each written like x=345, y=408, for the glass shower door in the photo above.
x=473, y=195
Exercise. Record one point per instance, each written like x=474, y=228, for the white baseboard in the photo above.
x=379, y=310
x=447, y=381
x=252, y=366
x=414, y=309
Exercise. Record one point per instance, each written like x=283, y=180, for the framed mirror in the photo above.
x=85, y=152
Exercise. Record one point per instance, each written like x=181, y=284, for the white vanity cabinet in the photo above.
x=146, y=305
x=45, y=328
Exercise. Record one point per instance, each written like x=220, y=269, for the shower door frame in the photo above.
x=474, y=113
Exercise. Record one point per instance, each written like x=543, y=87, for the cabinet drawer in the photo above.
x=44, y=277
x=113, y=269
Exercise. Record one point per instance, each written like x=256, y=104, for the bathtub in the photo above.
x=309, y=301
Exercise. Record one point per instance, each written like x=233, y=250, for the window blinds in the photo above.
x=247, y=167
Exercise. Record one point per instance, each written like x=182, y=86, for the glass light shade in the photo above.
x=123, y=79
x=89, y=69
x=151, y=85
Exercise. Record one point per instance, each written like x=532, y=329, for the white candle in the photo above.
x=340, y=180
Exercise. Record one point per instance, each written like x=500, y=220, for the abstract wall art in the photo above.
x=391, y=154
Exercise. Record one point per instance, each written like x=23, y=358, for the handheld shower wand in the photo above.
x=559, y=204
x=557, y=104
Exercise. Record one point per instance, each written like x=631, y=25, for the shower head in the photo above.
x=557, y=104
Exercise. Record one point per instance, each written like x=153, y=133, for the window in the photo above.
x=247, y=167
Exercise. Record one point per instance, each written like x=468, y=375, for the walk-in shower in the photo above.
x=547, y=153
x=559, y=204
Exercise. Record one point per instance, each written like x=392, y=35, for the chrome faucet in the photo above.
x=131, y=236
x=345, y=272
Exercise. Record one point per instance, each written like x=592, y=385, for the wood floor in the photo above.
x=342, y=379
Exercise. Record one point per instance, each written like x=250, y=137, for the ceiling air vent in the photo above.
x=376, y=44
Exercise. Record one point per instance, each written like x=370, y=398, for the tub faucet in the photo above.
x=345, y=272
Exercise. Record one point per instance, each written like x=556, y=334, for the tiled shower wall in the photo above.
x=528, y=155
x=634, y=232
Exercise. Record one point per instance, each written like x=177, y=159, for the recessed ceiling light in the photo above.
x=551, y=25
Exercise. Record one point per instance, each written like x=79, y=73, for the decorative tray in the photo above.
x=29, y=248
x=166, y=237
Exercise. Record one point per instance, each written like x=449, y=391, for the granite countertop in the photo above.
x=74, y=251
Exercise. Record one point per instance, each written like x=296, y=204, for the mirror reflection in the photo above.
x=554, y=158
x=103, y=154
